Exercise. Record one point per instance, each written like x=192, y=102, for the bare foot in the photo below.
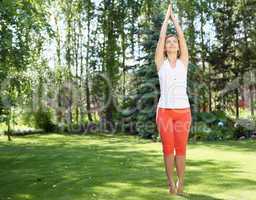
x=179, y=186
x=172, y=188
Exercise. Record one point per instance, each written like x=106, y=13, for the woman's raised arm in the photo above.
x=182, y=42
x=159, y=54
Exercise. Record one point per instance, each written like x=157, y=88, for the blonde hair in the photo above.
x=168, y=36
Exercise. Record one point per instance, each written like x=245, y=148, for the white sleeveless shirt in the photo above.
x=173, y=85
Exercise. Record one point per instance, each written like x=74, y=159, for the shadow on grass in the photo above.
x=192, y=196
x=247, y=145
x=99, y=167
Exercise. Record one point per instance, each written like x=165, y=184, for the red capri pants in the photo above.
x=173, y=126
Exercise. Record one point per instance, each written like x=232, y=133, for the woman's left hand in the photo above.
x=170, y=5
x=171, y=11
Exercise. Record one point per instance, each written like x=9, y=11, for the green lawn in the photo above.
x=119, y=167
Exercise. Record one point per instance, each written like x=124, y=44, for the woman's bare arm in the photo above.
x=159, y=54
x=182, y=41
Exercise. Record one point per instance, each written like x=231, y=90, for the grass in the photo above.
x=106, y=167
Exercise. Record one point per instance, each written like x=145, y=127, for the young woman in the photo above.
x=173, y=114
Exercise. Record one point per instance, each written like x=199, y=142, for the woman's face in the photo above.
x=172, y=45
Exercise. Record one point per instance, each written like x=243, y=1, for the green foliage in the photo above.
x=220, y=36
x=212, y=126
x=18, y=22
x=43, y=119
x=199, y=131
x=244, y=127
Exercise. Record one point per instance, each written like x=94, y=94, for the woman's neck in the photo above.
x=172, y=56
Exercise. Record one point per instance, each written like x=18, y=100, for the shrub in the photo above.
x=214, y=125
x=199, y=131
x=43, y=120
x=243, y=127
